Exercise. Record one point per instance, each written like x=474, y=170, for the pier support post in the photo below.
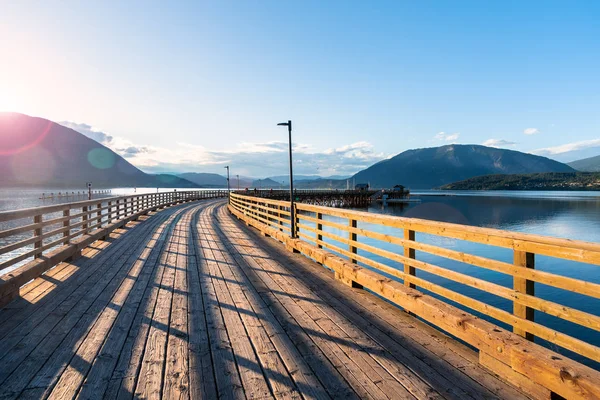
x=525, y=260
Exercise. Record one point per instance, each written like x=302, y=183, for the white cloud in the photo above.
x=89, y=131
x=447, y=137
x=531, y=131
x=565, y=148
x=248, y=159
x=498, y=143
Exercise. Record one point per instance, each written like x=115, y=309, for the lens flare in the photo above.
x=101, y=158
x=14, y=142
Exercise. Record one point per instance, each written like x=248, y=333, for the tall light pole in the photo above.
x=227, y=182
x=292, y=216
x=238, y=178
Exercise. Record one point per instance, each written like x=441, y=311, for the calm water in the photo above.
x=573, y=215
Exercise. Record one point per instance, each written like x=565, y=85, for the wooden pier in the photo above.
x=176, y=296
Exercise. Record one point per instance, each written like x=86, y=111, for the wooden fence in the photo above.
x=49, y=235
x=536, y=369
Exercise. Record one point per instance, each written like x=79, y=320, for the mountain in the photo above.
x=266, y=183
x=205, y=179
x=285, y=179
x=541, y=181
x=436, y=166
x=591, y=164
x=36, y=152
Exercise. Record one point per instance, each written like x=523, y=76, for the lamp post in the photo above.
x=292, y=216
x=238, y=179
x=227, y=183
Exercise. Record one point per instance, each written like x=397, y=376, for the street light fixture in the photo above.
x=227, y=183
x=292, y=216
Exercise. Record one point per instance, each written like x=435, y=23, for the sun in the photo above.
x=5, y=103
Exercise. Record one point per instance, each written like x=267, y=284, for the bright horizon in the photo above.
x=193, y=87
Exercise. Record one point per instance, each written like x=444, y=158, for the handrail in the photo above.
x=326, y=233
x=51, y=234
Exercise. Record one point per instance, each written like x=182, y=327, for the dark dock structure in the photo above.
x=328, y=198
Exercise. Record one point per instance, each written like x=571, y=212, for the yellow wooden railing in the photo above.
x=513, y=355
x=49, y=235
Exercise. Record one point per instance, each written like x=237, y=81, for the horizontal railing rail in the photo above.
x=386, y=247
x=33, y=236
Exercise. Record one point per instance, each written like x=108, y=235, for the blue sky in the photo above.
x=199, y=85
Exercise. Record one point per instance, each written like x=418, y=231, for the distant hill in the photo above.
x=436, y=166
x=591, y=164
x=36, y=152
x=266, y=184
x=205, y=180
x=321, y=184
x=544, y=181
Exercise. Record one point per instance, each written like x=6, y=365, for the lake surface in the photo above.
x=573, y=215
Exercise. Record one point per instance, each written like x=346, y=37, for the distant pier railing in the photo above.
x=363, y=258
x=51, y=234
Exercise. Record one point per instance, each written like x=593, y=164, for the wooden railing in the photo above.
x=51, y=234
x=362, y=250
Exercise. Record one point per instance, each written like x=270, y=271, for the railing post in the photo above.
x=99, y=214
x=66, y=223
x=37, y=232
x=109, y=220
x=280, y=218
x=84, y=218
x=409, y=253
x=319, y=229
x=525, y=260
x=352, y=237
x=296, y=221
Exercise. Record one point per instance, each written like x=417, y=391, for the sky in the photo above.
x=195, y=86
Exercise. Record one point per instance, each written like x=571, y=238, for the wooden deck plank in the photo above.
x=150, y=379
x=202, y=374
x=176, y=381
